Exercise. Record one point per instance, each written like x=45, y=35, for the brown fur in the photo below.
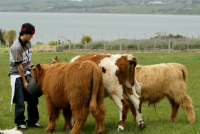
x=126, y=72
x=72, y=87
x=165, y=80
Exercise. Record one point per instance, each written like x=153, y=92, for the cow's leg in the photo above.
x=186, y=103
x=136, y=101
x=174, y=110
x=80, y=115
x=99, y=120
x=124, y=111
x=99, y=127
x=67, y=113
x=132, y=108
x=53, y=113
x=181, y=99
x=118, y=99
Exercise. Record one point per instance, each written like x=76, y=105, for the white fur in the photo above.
x=73, y=59
x=11, y=131
x=120, y=128
x=113, y=87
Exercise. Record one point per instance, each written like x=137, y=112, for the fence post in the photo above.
x=165, y=41
x=198, y=39
x=42, y=39
x=145, y=43
x=169, y=47
x=51, y=40
x=155, y=47
x=154, y=42
x=74, y=37
x=134, y=40
x=120, y=46
x=126, y=42
x=69, y=46
x=86, y=46
x=55, y=45
x=104, y=47
x=91, y=46
x=187, y=42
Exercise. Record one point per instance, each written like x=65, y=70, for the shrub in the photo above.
x=52, y=43
x=86, y=39
x=9, y=36
x=62, y=47
x=79, y=46
x=179, y=45
x=96, y=45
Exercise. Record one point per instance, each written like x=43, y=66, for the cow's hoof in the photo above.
x=51, y=131
x=68, y=128
x=99, y=132
x=120, y=128
x=142, y=125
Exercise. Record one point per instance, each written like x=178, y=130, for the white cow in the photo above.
x=119, y=77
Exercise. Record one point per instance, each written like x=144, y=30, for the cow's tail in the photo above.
x=97, y=107
x=184, y=72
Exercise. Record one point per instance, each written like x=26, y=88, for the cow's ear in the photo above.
x=56, y=58
x=134, y=60
x=38, y=66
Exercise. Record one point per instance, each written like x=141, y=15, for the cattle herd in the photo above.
x=79, y=87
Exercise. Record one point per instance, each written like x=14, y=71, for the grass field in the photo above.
x=156, y=122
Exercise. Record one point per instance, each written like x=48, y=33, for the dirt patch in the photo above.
x=44, y=47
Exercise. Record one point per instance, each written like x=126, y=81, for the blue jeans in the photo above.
x=20, y=96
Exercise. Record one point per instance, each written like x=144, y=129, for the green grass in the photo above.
x=156, y=122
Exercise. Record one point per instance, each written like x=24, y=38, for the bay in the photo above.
x=72, y=26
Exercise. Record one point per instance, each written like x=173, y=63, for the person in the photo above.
x=20, y=61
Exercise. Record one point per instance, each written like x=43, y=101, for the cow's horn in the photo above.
x=51, y=59
x=30, y=68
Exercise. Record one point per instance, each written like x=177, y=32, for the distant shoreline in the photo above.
x=102, y=13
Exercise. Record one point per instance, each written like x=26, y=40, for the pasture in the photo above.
x=156, y=122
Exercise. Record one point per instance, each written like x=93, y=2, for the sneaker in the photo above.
x=21, y=127
x=36, y=125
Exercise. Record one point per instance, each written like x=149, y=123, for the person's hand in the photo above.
x=25, y=85
x=32, y=66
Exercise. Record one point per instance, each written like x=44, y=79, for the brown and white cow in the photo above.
x=75, y=88
x=164, y=80
x=119, y=77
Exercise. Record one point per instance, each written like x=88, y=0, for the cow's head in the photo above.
x=38, y=73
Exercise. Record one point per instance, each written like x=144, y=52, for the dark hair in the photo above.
x=26, y=25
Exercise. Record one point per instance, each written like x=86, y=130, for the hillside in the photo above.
x=190, y=7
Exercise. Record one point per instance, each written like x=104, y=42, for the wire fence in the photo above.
x=126, y=46
x=159, y=44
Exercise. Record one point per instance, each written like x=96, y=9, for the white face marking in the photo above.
x=129, y=56
x=94, y=55
x=109, y=63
